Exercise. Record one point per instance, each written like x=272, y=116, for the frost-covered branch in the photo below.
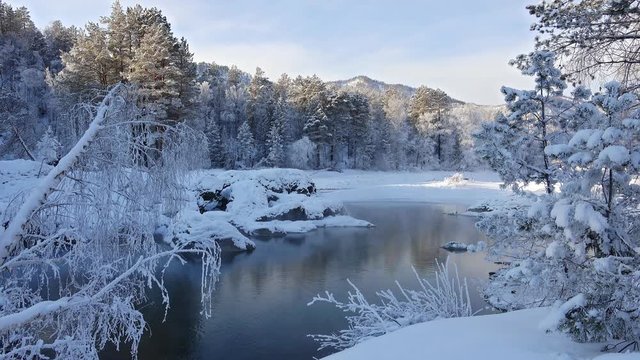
x=79, y=255
x=13, y=233
x=444, y=297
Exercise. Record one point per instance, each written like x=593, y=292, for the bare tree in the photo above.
x=78, y=256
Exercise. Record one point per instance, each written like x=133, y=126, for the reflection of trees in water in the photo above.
x=260, y=300
x=182, y=330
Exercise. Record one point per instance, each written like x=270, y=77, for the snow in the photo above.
x=557, y=314
x=581, y=137
x=508, y=336
x=514, y=335
x=419, y=186
x=561, y=212
x=265, y=202
x=587, y=215
x=615, y=155
x=455, y=246
x=190, y=225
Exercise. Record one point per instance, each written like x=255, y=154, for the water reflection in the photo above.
x=260, y=307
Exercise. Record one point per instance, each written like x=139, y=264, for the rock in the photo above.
x=454, y=246
x=480, y=209
x=216, y=199
x=295, y=214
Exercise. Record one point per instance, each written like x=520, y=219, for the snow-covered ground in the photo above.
x=510, y=336
x=17, y=178
x=424, y=186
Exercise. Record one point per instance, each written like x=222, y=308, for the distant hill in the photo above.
x=366, y=84
x=463, y=111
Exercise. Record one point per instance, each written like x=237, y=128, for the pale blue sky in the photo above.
x=461, y=47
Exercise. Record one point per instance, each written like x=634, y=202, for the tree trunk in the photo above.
x=38, y=196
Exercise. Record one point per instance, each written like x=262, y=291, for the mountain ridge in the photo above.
x=363, y=82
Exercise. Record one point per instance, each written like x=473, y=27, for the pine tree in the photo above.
x=154, y=73
x=88, y=66
x=514, y=143
x=275, y=143
x=246, y=146
x=48, y=148
x=429, y=113
x=260, y=108
x=316, y=128
x=216, y=149
x=185, y=76
x=579, y=245
x=119, y=39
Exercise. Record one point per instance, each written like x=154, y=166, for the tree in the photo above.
x=302, y=153
x=316, y=128
x=59, y=39
x=594, y=37
x=22, y=85
x=78, y=255
x=246, y=147
x=88, y=67
x=579, y=246
x=276, y=155
x=48, y=148
x=260, y=109
x=119, y=39
x=155, y=74
x=534, y=120
x=428, y=112
x=216, y=149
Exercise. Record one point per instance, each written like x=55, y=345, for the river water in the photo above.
x=259, y=309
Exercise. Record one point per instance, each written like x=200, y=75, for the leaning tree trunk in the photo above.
x=38, y=196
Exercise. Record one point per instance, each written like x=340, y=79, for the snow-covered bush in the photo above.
x=301, y=153
x=48, y=148
x=455, y=179
x=446, y=296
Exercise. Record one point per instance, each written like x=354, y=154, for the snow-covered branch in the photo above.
x=13, y=232
x=444, y=297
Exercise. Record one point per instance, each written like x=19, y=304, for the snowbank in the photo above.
x=234, y=205
x=508, y=336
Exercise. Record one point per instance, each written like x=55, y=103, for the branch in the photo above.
x=14, y=231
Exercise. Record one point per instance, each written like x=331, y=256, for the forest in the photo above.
x=248, y=120
x=120, y=157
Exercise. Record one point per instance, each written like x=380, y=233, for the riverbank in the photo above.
x=514, y=335
x=444, y=187
x=508, y=336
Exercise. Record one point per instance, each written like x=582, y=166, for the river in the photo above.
x=259, y=309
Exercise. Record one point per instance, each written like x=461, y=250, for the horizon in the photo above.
x=417, y=48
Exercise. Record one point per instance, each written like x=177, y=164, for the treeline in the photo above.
x=48, y=77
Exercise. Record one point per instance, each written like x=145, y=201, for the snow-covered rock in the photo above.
x=234, y=205
x=454, y=246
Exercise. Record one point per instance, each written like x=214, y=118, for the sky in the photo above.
x=460, y=46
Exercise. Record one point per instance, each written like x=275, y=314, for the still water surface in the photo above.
x=259, y=309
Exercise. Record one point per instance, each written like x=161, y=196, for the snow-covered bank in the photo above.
x=423, y=186
x=508, y=336
x=230, y=207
